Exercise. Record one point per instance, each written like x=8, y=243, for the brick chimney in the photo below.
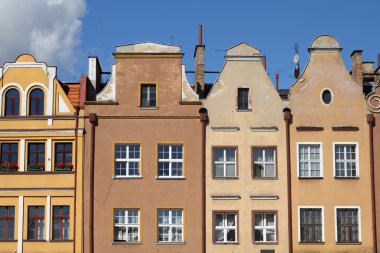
x=199, y=56
x=357, y=61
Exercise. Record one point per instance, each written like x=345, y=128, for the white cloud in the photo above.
x=48, y=29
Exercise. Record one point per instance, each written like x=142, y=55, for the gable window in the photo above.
x=311, y=224
x=170, y=225
x=127, y=160
x=225, y=227
x=12, y=103
x=347, y=225
x=7, y=223
x=36, y=222
x=264, y=227
x=9, y=157
x=36, y=156
x=224, y=162
x=264, y=162
x=63, y=157
x=148, y=95
x=310, y=160
x=61, y=222
x=346, y=160
x=36, y=102
x=243, y=99
x=170, y=160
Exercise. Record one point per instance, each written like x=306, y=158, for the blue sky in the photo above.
x=272, y=26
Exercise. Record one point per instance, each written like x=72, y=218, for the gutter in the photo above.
x=204, y=120
x=288, y=120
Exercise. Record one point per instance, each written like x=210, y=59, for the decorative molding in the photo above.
x=20, y=228
x=345, y=128
x=264, y=129
x=43, y=190
x=264, y=197
x=225, y=129
x=372, y=103
x=225, y=197
x=309, y=128
x=48, y=204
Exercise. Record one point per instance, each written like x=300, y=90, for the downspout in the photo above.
x=75, y=172
x=204, y=120
x=371, y=123
x=93, y=120
x=288, y=120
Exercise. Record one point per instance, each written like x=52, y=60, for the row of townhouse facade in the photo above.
x=151, y=163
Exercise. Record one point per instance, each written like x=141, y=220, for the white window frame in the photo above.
x=322, y=217
x=127, y=160
x=345, y=164
x=225, y=226
x=126, y=224
x=170, y=225
x=359, y=221
x=265, y=227
x=321, y=158
x=265, y=162
x=224, y=162
x=170, y=160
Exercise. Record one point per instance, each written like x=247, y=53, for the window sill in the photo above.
x=125, y=243
x=349, y=243
x=265, y=178
x=126, y=177
x=312, y=243
x=171, y=243
x=265, y=243
x=310, y=178
x=244, y=110
x=347, y=178
x=8, y=241
x=147, y=108
x=225, y=178
x=170, y=178
x=29, y=240
x=54, y=241
x=226, y=243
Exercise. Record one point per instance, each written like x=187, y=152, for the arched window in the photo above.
x=12, y=103
x=36, y=102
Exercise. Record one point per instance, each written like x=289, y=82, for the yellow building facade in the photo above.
x=41, y=141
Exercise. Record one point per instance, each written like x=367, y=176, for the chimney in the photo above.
x=265, y=62
x=357, y=61
x=95, y=76
x=199, y=56
x=277, y=76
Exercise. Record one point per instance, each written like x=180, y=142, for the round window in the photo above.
x=326, y=97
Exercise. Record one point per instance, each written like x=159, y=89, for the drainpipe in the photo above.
x=371, y=123
x=75, y=172
x=94, y=121
x=288, y=120
x=204, y=120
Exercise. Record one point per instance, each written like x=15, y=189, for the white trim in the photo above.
x=7, y=87
x=20, y=225
x=264, y=129
x=26, y=95
x=48, y=159
x=52, y=72
x=22, y=153
x=225, y=129
x=9, y=65
x=264, y=197
x=356, y=154
x=43, y=190
x=336, y=223
x=225, y=197
x=322, y=218
x=39, y=131
x=321, y=157
x=48, y=201
x=332, y=96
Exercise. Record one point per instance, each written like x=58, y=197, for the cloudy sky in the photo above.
x=64, y=33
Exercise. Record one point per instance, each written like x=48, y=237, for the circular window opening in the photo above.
x=326, y=97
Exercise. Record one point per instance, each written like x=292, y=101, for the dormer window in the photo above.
x=36, y=102
x=148, y=96
x=12, y=103
x=243, y=99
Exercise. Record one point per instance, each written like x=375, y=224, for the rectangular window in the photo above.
x=243, y=98
x=126, y=225
x=170, y=160
x=36, y=222
x=225, y=162
x=63, y=156
x=346, y=163
x=264, y=162
x=348, y=228
x=9, y=157
x=310, y=160
x=36, y=156
x=7, y=223
x=127, y=160
x=264, y=227
x=311, y=221
x=61, y=222
x=170, y=225
x=225, y=227
x=148, y=95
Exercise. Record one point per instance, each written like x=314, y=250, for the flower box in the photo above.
x=36, y=167
x=8, y=167
x=63, y=167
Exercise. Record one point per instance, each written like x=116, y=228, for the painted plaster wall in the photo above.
x=266, y=111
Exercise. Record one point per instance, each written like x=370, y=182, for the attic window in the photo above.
x=326, y=97
x=243, y=99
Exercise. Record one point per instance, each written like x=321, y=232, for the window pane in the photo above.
x=231, y=235
x=218, y=154
x=120, y=233
x=230, y=154
x=219, y=170
x=269, y=170
x=230, y=170
x=219, y=235
x=219, y=220
x=258, y=170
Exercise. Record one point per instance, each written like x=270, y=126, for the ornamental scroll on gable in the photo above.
x=372, y=101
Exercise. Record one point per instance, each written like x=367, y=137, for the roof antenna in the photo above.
x=296, y=61
x=99, y=36
x=171, y=39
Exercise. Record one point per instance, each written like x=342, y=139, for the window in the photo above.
x=309, y=160
x=326, y=97
x=243, y=98
x=346, y=163
x=148, y=95
x=225, y=162
x=36, y=222
x=9, y=157
x=311, y=225
x=126, y=225
x=225, y=227
x=170, y=160
x=36, y=157
x=127, y=160
x=36, y=103
x=170, y=225
x=61, y=222
x=7, y=222
x=264, y=162
x=265, y=227
x=347, y=225
x=12, y=103
x=63, y=157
